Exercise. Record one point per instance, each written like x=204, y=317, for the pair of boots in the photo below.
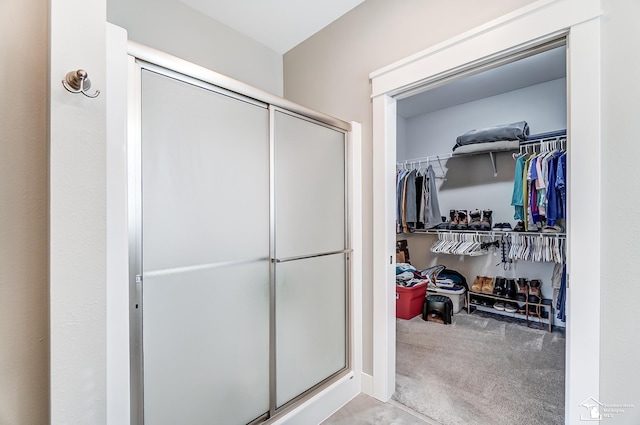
x=522, y=290
x=483, y=284
x=460, y=220
x=511, y=289
x=505, y=288
x=480, y=222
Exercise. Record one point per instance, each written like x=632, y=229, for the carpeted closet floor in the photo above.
x=480, y=370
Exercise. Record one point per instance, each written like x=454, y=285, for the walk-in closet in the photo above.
x=480, y=208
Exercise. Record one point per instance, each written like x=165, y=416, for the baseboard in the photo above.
x=324, y=404
x=367, y=384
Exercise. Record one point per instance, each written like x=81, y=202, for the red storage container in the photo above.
x=409, y=301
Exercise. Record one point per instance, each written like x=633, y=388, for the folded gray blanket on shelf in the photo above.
x=514, y=131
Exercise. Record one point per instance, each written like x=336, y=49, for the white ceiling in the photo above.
x=536, y=69
x=278, y=24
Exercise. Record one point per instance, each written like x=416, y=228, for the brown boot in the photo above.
x=487, y=286
x=477, y=284
x=523, y=289
x=535, y=293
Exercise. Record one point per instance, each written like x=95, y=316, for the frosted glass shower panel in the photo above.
x=311, y=320
x=206, y=346
x=205, y=168
x=309, y=187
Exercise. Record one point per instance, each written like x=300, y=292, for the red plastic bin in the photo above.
x=409, y=301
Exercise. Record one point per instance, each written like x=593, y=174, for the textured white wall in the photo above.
x=543, y=106
x=330, y=72
x=24, y=331
x=77, y=216
x=177, y=29
x=620, y=249
x=470, y=182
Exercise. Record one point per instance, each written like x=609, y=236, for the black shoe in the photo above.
x=499, y=305
x=463, y=221
x=500, y=286
x=485, y=223
x=453, y=223
x=474, y=217
x=510, y=289
x=519, y=227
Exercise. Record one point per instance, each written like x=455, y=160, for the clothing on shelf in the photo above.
x=513, y=131
x=539, y=187
x=408, y=276
x=417, y=204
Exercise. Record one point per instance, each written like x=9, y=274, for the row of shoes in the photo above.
x=473, y=220
x=511, y=307
x=557, y=228
x=520, y=289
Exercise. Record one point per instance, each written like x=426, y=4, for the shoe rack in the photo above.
x=530, y=307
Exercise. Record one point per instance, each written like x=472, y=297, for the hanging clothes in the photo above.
x=432, y=216
x=400, y=198
x=539, y=189
x=561, y=302
x=516, y=198
x=417, y=204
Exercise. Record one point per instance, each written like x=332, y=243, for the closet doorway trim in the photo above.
x=537, y=23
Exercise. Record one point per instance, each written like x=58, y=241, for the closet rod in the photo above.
x=557, y=142
x=427, y=159
x=443, y=156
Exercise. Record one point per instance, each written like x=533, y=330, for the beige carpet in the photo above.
x=365, y=410
x=480, y=370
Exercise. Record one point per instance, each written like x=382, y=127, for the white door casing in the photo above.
x=542, y=21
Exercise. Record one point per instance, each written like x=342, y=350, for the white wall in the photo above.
x=24, y=333
x=177, y=29
x=620, y=328
x=330, y=72
x=470, y=182
x=77, y=190
x=543, y=106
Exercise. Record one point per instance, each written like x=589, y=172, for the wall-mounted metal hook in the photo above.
x=78, y=82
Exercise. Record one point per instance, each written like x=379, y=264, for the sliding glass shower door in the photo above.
x=240, y=302
x=205, y=251
x=310, y=247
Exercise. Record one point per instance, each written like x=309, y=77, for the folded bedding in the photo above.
x=502, y=145
x=514, y=131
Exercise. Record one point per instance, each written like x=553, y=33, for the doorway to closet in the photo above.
x=502, y=357
x=487, y=46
